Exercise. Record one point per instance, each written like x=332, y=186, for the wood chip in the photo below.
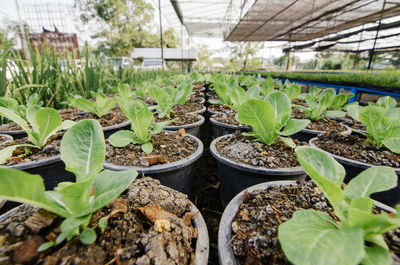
x=187, y=218
x=40, y=220
x=244, y=215
x=246, y=196
x=119, y=206
x=150, y=160
x=182, y=132
x=155, y=212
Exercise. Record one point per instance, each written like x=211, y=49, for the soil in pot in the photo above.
x=324, y=125
x=188, y=107
x=219, y=108
x=129, y=238
x=245, y=150
x=23, y=155
x=167, y=147
x=179, y=118
x=228, y=118
x=255, y=226
x=355, y=147
x=3, y=139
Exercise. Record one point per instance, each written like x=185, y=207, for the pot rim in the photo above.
x=201, y=111
x=162, y=167
x=187, y=126
x=226, y=125
x=346, y=160
x=225, y=252
x=9, y=138
x=255, y=169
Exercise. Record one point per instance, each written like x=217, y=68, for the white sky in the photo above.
x=8, y=12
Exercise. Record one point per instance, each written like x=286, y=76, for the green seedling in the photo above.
x=100, y=107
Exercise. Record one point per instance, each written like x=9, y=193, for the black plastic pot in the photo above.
x=9, y=138
x=220, y=129
x=235, y=176
x=109, y=130
x=202, y=241
x=199, y=112
x=353, y=168
x=176, y=175
x=306, y=135
x=193, y=128
x=225, y=252
x=18, y=134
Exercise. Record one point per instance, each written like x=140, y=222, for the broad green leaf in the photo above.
x=23, y=187
x=386, y=103
x=375, y=121
x=121, y=138
x=237, y=97
x=72, y=223
x=371, y=180
x=313, y=92
x=76, y=195
x=30, y=116
x=47, y=120
x=326, y=172
x=83, y=149
x=185, y=89
x=88, y=236
x=268, y=86
x=280, y=103
x=45, y=246
x=353, y=110
x=8, y=103
x=293, y=126
x=362, y=203
x=253, y=92
x=105, y=105
x=261, y=117
x=392, y=138
x=11, y=115
x=164, y=102
x=311, y=237
x=108, y=185
x=335, y=113
x=103, y=224
x=340, y=100
x=85, y=105
x=288, y=141
x=159, y=126
x=124, y=90
x=8, y=151
x=292, y=91
x=147, y=147
x=376, y=255
x=141, y=119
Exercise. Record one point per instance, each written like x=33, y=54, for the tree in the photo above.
x=125, y=24
x=242, y=52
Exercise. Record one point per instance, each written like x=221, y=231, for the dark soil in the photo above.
x=115, y=116
x=20, y=155
x=220, y=108
x=129, y=238
x=326, y=124
x=255, y=226
x=167, y=147
x=246, y=150
x=357, y=148
x=354, y=124
x=3, y=139
x=188, y=107
x=199, y=86
x=300, y=102
x=228, y=119
x=212, y=95
x=197, y=97
x=179, y=118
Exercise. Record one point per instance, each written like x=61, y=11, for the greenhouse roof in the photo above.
x=303, y=20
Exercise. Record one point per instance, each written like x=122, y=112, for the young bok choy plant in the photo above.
x=270, y=119
x=326, y=103
x=230, y=94
x=142, y=124
x=83, y=152
x=100, y=107
x=356, y=237
x=170, y=96
x=39, y=123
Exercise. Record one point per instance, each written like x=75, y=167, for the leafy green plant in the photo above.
x=313, y=237
x=270, y=119
x=387, y=103
x=318, y=104
x=230, y=94
x=142, y=124
x=40, y=124
x=169, y=96
x=100, y=106
x=83, y=152
x=293, y=91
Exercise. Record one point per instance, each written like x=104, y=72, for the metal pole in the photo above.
x=23, y=35
x=161, y=39
x=371, y=55
x=181, y=48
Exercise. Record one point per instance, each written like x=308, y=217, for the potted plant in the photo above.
x=377, y=146
x=321, y=107
x=103, y=109
x=316, y=222
x=166, y=99
x=165, y=155
x=261, y=155
x=101, y=206
x=39, y=152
